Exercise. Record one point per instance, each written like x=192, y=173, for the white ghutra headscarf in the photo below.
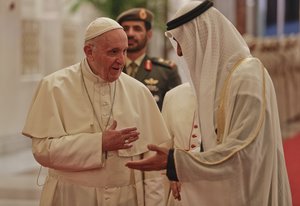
x=211, y=46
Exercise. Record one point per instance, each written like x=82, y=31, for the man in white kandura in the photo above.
x=243, y=160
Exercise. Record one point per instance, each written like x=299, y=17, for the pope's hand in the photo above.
x=113, y=139
x=155, y=162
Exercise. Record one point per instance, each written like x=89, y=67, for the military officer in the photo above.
x=158, y=74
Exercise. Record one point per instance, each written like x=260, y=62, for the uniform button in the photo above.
x=195, y=126
x=194, y=135
x=193, y=146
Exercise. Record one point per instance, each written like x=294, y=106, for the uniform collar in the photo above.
x=138, y=61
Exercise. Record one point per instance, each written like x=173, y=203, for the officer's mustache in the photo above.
x=132, y=39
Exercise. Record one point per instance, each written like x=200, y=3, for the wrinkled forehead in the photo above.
x=115, y=34
x=111, y=39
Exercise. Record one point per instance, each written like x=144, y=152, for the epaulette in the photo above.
x=163, y=62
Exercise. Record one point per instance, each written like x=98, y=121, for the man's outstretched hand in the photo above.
x=155, y=162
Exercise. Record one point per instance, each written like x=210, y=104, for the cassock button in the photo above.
x=193, y=146
x=194, y=135
x=195, y=126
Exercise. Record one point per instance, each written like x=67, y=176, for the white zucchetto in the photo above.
x=100, y=26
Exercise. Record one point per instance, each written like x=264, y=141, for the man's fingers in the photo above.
x=113, y=126
x=157, y=149
x=128, y=130
x=153, y=163
x=176, y=194
x=127, y=146
x=131, y=136
x=139, y=165
x=135, y=164
x=176, y=188
x=153, y=147
x=179, y=187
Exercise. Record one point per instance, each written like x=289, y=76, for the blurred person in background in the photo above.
x=181, y=117
x=158, y=74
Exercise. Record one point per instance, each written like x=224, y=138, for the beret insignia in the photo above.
x=143, y=14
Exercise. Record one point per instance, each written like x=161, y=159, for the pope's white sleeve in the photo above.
x=70, y=153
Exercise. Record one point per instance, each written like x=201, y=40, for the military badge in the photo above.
x=143, y=14
x=148, y=65
x=152, y=84
x=151, y=81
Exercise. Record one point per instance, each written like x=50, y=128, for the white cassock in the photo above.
x=67, y=139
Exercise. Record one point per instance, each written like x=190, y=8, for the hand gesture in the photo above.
x=175, y=188
x=113, y=139
x=156, y=162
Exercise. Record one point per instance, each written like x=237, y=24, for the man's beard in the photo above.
x=140, y=45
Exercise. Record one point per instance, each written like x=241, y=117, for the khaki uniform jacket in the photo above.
x=159, y=76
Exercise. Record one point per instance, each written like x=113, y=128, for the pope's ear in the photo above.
x=88, y=50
